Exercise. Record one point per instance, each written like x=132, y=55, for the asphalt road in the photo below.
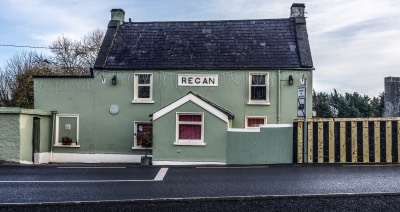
x=256, y=185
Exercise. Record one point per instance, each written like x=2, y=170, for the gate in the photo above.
x=348, y=140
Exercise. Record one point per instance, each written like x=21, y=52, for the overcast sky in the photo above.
x=355, y=44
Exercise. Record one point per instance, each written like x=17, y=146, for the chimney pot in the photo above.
x=297, y=10
x=118, y=15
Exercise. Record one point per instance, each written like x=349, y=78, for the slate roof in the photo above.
x=232, y=44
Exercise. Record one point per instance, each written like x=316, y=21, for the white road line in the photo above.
x=76, y=181
x=231, y=167
x=89, y=167
x=161, y=174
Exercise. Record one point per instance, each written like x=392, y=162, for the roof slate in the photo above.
x=238, y=44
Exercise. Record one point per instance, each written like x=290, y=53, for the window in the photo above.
x=252, y=122
x=258, y=88
x=67, y=130
x=143, y=92
x=189, y=129
x=141, y=130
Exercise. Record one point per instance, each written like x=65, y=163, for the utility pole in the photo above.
x=302, y=112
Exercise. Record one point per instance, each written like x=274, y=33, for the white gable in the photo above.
x=196, y=100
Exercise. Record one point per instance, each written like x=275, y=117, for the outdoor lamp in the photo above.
x=114, y=80
x=290, y=80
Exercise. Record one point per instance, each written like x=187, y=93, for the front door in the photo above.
x=35, y=139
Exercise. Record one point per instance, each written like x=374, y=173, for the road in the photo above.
x=82, y=183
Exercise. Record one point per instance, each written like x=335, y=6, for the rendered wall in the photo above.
x=215, y=136
x=272, y=145
x=16, y=133
x=102, y=132
x=9, y=137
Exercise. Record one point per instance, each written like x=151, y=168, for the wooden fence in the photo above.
x=345, y=140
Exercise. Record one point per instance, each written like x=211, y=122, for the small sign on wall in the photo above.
x=197, y=80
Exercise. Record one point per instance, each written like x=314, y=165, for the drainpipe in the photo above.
x=53, y=128
x=279, y=98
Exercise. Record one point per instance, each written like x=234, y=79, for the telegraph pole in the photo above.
x=302, y=112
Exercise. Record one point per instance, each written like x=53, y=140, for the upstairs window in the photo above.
x=143, y=92
x=258, y=88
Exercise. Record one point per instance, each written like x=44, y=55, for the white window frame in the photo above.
x=257, y=117
x=57, y=133
x=136, y=98
x=135, y=146
x=185, y=141
x=259, y=102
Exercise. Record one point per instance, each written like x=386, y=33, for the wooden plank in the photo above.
x=398, y=141
x=331, y=142
x=320, y=142
x=300, y=142
x=377, y=140
x=388, y=141
x=354, y=142
x=365, y=142
x=310, y=141
x=342, y=142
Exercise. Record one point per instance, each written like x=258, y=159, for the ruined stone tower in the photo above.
x=392, y=97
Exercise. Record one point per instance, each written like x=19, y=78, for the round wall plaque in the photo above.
x=114, y=109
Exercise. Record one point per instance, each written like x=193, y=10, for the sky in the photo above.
x=355, y=44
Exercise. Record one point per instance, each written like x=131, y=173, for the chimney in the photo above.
x=118, y=15
x=297, y=10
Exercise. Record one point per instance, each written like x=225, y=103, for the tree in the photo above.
x=16, y=82
x=321, y=105
x=349, y=105
x=76, y=57
x=70, y=58
x=378, y=105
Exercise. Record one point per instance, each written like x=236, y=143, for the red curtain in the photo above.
x=255, y=122
x=191, y=118
x=187, y=131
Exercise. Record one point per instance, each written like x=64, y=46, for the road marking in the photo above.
x=369, y=165
x=91, y=167
x=231, y=167
x=159, y=177
x=76, y=181
x=161, y=174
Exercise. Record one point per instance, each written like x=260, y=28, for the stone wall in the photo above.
x=392, y=97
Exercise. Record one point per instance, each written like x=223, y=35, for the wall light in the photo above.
x=290, y=80
x=114, y=80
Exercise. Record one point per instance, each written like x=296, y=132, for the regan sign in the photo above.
x=198, y=80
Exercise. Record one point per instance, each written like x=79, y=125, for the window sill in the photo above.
x=142, y=101
x=143, y=148
x=258, y=103
x=67, y=146
x=189, y=144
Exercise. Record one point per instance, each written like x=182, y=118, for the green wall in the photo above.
x=269, y=146
x=102, y=132
x=9, y=137
x=16, y=133
x=215, y=137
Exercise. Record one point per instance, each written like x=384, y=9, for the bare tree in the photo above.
x=70, y=58
x=16, y=82
x=76, y=57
